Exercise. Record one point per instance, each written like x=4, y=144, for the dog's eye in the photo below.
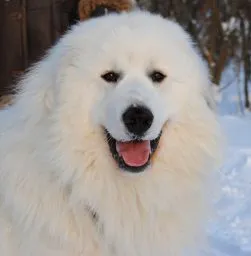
x=157, y=76
x=111, y=76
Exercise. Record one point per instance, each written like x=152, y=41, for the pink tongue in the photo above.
x=134, y=154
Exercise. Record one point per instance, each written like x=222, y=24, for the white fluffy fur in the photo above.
x=54, y=159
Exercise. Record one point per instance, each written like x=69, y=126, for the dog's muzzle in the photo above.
x=134, y=155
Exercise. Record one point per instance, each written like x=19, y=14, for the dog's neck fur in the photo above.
x=136, y=215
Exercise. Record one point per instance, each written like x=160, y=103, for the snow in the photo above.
x=230, y=231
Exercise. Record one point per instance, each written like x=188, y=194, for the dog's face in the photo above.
x=127, y=85
x=133, y=112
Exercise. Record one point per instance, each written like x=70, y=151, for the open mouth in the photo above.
x=132, y=156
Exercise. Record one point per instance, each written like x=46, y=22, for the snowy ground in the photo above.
x=230, y=231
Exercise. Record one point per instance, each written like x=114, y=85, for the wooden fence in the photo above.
x=27, y=29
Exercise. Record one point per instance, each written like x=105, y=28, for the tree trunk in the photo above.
x=246, y=62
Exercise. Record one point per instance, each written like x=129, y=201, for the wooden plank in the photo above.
x=45, y=24
x=27, y=29
x=11, y=52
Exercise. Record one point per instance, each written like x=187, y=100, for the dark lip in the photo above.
x=119, y=160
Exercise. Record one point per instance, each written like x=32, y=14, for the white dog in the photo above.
x=109, y=144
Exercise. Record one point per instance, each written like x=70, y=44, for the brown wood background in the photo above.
x=27, y=29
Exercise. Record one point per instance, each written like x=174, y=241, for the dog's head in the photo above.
x=127, y=93
x=125, y=86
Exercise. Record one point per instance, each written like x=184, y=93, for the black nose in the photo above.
x=137, y=119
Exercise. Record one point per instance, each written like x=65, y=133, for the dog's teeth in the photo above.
x=149, y=147
x=117, y=148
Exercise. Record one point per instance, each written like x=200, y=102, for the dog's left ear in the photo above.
x=208, y=94
x=94, y=8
